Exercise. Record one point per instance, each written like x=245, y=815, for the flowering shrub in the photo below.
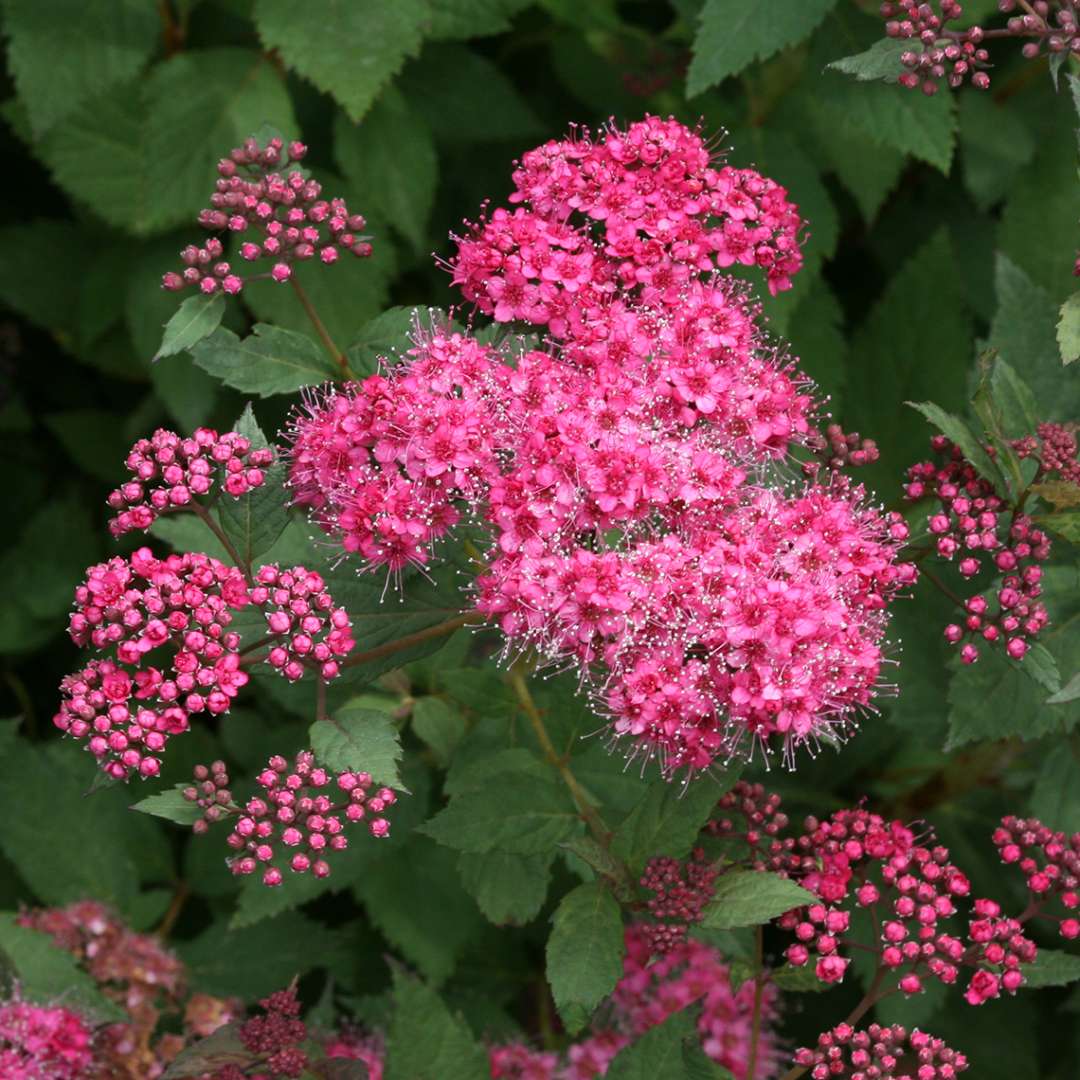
x=593, y=665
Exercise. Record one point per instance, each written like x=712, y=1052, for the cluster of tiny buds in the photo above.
x=276, y=1037
x=311, y=630
x=297, y=812
x=957, y=55
x=681, y=891
x=1054, y=447
x=285, y=211
x=170, y=471
x=945, y=54
x=968, y=525
x=837, y=449
x=211, y=794
x=1050, y=861
x=763, y=821
x=880, y=1053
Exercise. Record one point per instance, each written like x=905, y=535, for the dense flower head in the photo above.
x=680, y=892
x=642, y=211
x=298, y=820
x=880, y=1053
x=168, y=472
x=355, y=1045
x=278, y=1034
x=1050, y=863
x=278, y=216
x=654, y=987
x=39, y=1042
x=628, y=470
x=858, y=860
x=1054, y=447
x=304, y=626
x=974, y=527
x=165, y=622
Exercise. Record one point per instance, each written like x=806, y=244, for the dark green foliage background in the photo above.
x=936, y=226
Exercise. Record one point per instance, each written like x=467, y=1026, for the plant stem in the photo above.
x=585, y=808
x=226, y=543
x=391, y=647
x=320, y=699
x=759, y=990
x=320, y=328
x=168, y=921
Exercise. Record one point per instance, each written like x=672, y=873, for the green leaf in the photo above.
x=1023, y=332
x=69, y=50
x=1065, y=524
x=1042, y=203
x=471, y=18
x=170, y=805
x=750, y=898
x=731, y=35
x=893, y=347
x=102, y=849
x=508, y=888
x=584, y=952
x=514, y=812
x=1068, y=329
x=254, y=522
x=1069, y=692
x=270, y=361
x=202, y=103
x=398, y=896
x=196, y=318
x=359, y=740
x=387, y=337
x=350, y=50
x=1013, y=400
x=670, y=1050
x=958, y=432
x=1055, y=798
x=668, y=818
x=996, y=143
x=426, y=1041
x=47, y=974
x=439, y=725
x=391, y=157
x=1052, y=967
x=880, y=61
x=252, y=962
x=206, y=1056
x=799, y=980
x=464, y=97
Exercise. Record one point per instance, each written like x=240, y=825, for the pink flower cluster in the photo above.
x=641, y=211
x=301, y=617
x=1050, y=862
x=298, y=812
x=1054, y=447
x=975, y=526
x=128, y=708
x=680, y=892
x=169, y=472
x=166, y=623
x=381, y=464
x=880, y=1053
x=38, y=1042
x=285, y=213
x=958, y=55
x=856, y=859
x=624, y=472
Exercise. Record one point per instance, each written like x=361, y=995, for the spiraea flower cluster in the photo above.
x=856, y=860
x=1047, y=27
x=1054, y=447
x=974, y=527
x=141, y=976
x=165, y=623
x=280, y=217
x=1050, y=863
x=680, y=890
x=168, y=472
x=297, y=822
x=880, y=1053
x=39, y=1042
x=628, y=471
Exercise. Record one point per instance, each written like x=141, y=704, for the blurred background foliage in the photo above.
x=936, y=226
